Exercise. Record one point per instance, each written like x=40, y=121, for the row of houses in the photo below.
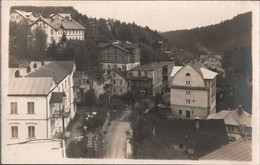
x=54, y=26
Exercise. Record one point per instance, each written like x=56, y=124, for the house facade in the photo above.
x=151, y=78
x=238, y=123
x=119, y=82
x=41, y=104
x=211, y=60
x=55, y=26
x=27, y=109
x=20, y=16
x=193, y=92
x=81, y=84
x=124, y=56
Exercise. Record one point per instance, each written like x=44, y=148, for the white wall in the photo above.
x=196, y=80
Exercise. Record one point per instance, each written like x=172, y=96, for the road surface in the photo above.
x=115, y=139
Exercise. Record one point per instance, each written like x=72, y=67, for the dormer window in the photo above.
x=187, y=74
x=34, y=65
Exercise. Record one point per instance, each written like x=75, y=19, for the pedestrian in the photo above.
x=85, y=128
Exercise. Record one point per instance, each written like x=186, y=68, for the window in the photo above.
x=188, y=74
x=114, y=74
x=51, y=31
x=121, y=82
x=114, y=82
x=14, y=130
x=187, y=82
x=17, y=73
x=28, y=69
x=188, y=92
x=114, y=90
x=121, y=90
x=181, y=146
x=193, y=101
x=13, y=107
x=31, y=131
x=139, y=73
x=180, y=112
x=123, y=67
x=30, y=107
x=187, y=114
x=230, y=93
x=187, y=101
x=221, y=96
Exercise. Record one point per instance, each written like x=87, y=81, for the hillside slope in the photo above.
x=219, y=38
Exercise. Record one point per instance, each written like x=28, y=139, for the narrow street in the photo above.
x=115, y=139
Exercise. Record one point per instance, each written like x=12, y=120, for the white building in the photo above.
x=56, y=25
x=41, y=104
x=193, y=92
x=20, y=15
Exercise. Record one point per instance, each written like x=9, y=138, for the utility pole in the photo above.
x=93, y=147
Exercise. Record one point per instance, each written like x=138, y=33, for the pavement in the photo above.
x=115, y=139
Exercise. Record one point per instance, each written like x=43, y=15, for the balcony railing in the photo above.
x=57, y=113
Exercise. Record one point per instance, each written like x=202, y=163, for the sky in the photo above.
x=165, y=15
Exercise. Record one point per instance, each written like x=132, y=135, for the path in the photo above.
x=115, y=139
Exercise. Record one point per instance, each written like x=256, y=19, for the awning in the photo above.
x=57, y=97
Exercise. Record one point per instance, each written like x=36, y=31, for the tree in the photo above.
x=18, y=40
x=90, y=99
x=38, y=44
x=63, y=39
x=52, y=51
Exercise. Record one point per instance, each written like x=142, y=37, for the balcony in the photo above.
x=57, y=113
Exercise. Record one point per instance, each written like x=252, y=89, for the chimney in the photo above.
x=197, y=123
x=240, y=110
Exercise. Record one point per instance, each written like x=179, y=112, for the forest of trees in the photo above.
x=217, y=39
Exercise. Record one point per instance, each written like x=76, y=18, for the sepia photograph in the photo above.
x=173, y=82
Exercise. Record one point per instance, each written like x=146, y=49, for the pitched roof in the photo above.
x=56, y=69
x=120, y=73
x=57, y=97
x=206, y=57
x=233, y=117
x=175, y=69
x=25, y=14
x=153, y=66
x=71, y=24
x=239, y=150
x=25, y=86
x=57, y=23
x=208, y=74
x=203, y=140
x=205, y=73
x=127, y=47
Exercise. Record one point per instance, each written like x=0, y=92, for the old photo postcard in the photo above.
x=132, y=82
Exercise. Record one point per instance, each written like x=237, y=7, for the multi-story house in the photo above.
x=56, y=25
x=41, y=104
x=81, y=84
x=151, y=78
x=124, y=56
x=119, y=82
x=211, y=60
x=20, y=16
x=238, y=123
x=193, y=91
x=28, y=108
